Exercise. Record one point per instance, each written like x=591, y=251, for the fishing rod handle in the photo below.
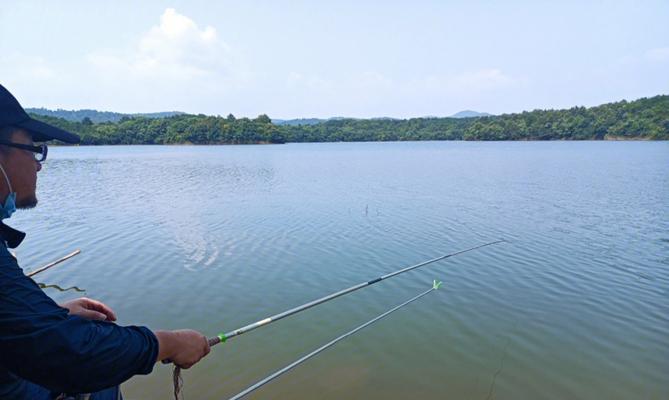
x=212, y=342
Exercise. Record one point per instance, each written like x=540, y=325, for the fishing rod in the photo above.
x=222, y=337
x=435, y=286
x=54, y=263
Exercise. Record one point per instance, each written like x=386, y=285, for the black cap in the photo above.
x=12, y=114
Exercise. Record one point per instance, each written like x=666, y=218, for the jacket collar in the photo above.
x=11, y=236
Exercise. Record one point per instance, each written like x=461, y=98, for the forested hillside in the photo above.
x=95, y=115
x=646, y=118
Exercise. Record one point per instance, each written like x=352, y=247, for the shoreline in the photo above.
x=606, y=139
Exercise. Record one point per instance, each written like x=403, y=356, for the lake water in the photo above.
x=574, y=306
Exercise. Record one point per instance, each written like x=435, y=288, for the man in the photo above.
x=49, y=351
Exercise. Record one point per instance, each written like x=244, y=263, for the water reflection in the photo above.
x=242, y=232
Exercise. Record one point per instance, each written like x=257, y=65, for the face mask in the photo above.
x=7, y=209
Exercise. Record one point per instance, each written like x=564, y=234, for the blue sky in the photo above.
x=312, y=59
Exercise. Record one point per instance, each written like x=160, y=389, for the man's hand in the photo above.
x=89, y=309
x=183, y=347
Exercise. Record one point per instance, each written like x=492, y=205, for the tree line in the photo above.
x=95, y=115
x=646, y=118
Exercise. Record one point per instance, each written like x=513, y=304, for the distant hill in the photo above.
x=316, y=121
x=384, y=119
x=298, y=121
x=96, y=116
x=470, y=114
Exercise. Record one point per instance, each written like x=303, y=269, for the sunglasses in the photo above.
x=40, y=151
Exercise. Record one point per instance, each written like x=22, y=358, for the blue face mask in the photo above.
x=7, y=209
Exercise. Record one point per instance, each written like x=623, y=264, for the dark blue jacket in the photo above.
x=41, y=345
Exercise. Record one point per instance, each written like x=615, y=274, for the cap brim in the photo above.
x=44, y=132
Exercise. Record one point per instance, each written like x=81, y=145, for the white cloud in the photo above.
x=28, y=76
x=173, y=65
x=175, y=49
x=483, y=79
x=374, y=80
x=309, y=81
x=658, y=54
x=25, y=67
x=478, y=81
x=469, y=81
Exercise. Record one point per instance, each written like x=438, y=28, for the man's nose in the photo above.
x=39, y=166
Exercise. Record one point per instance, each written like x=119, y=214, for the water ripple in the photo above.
x=574, y=305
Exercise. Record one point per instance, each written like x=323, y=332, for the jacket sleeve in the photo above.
x=41, y=343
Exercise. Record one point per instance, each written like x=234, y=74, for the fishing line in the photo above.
x=257, y=385
x=223, y=337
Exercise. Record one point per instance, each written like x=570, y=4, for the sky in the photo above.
x=305, y=59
